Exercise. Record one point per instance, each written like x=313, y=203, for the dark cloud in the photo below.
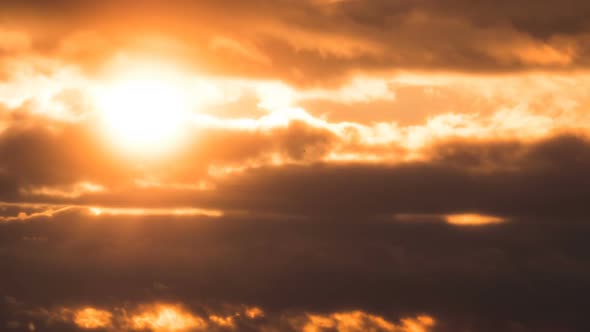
x=531, y=274
x=508, y=179
x=535, y=185
x=496, y=177
x=37, y=152
x=319, y=42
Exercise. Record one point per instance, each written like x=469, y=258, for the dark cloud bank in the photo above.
x=343, y=251
x=527, y=275
x=508, y=178
x=321, y=42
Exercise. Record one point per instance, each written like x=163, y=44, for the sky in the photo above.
x=294, y=165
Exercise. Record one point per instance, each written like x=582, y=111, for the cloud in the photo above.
x=24, y=147
x=287, y=170
x=90, y=318
x=375, y=165
x=314, y=42
x=360, y=321
x=496, y=178
x=293, y=271
x=167, y=317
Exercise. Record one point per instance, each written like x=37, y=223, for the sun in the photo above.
x=144, y=111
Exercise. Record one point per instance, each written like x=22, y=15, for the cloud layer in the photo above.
x=311, y=42
x=340, y=165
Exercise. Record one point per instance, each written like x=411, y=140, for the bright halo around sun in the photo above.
x=145, y=111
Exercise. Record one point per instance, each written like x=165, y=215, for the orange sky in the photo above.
x=450, y=124
x=178, y=103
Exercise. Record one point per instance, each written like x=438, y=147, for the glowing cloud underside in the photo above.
x=166, y=318
x=470, y=219
x=91, y=318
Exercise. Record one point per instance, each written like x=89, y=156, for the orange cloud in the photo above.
x=97, y=211
x=165, y=318
x=359, y=321
x=92, y=318
x=473, y=219
x=224, y=321
x=254, y=313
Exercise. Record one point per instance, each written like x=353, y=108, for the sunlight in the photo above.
x=472, y=219
x=166, y=318
x=145, y=110
x=95, y=211
x=91, y=318
x=179, y=212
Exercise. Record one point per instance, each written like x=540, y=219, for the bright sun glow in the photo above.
x=144, y=111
